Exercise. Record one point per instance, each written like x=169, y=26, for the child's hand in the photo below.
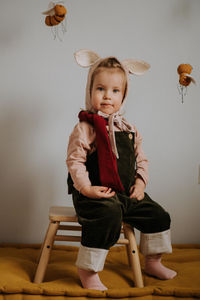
x=137, y=190
x=97, y=192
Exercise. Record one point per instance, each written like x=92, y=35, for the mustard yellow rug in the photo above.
x=18, y=264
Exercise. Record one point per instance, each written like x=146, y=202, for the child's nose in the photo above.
x=107, y=95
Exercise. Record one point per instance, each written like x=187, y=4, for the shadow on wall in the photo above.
x=182, y=10
x=26, y=185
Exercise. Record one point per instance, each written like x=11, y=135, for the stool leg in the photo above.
x=133, y=255
x=45, y=252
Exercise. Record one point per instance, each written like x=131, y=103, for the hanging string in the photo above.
x=182, y=91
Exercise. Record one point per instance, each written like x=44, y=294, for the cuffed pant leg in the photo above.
x=92, y=259
x=153, y=222
x=155, y=243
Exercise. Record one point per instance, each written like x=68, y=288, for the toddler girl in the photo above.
x=108, y=173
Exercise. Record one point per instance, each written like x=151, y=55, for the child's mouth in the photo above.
x=106, y=104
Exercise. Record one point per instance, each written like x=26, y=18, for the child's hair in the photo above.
x=109, y=63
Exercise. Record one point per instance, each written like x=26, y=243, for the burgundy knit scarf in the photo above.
x=109, y=176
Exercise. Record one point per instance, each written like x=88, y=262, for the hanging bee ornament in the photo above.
x=55, y=18
x=184, y=71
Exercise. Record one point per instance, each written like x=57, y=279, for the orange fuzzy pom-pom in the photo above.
x=184, y=68
x=184, y=79
x=47, y=21
x=60, y=10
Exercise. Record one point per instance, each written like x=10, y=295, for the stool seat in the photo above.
x=62, y=214
x=58, y=214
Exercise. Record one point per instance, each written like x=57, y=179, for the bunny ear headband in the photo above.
x=87, y=58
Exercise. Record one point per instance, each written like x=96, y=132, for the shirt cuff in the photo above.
x=142, y=175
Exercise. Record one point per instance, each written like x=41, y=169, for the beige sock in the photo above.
x=91, y=280
x=154, y=267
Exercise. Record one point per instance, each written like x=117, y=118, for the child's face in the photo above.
x=108, y=90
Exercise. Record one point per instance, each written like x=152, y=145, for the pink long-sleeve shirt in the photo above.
x=82, y=142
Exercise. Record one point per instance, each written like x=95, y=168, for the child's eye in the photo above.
x=100, y=88
x=115, y=90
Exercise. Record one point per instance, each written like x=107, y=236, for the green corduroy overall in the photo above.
x=101, y=218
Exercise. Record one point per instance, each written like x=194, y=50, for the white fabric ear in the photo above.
x=137, y=67
x=51, y=10
x=86, y=58
x=192, y=79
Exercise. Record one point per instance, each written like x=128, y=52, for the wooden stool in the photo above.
x=60, y=214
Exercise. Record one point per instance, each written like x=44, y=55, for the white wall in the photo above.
x=42, y=90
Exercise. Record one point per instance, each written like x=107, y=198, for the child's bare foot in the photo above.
x=154, y=267
x=91, y=280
